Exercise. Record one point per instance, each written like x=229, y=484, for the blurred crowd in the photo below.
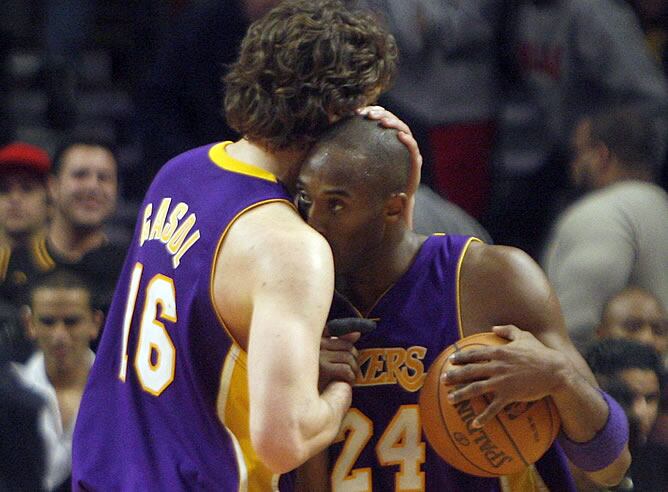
x=543, y=125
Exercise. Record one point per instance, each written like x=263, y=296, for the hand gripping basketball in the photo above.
x=516, y=437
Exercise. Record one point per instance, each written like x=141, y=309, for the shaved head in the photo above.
x=371, y=155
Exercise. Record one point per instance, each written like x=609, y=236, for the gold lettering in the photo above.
x=413, y=363
x=392, y=365
x=177, y=214
x=394, y=359
x=159, y=220
x=375, y=367
x=146, y=225
x=186, y=246
x=180, y=234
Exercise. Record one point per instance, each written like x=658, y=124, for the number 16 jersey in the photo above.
x=166, y=404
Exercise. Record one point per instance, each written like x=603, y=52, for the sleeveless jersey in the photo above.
x=148, y=418
x=381, y=446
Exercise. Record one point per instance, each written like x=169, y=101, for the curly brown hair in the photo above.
x=304, y=64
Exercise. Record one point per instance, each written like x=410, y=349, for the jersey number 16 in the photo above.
x=155, y=358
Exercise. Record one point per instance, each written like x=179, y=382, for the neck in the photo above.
x=71, y=376
x=72, y=242
x=17, y=239
x=284, y=164
x=387, y=265
x=618, y=173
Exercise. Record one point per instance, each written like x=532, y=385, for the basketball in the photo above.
x=517, y=437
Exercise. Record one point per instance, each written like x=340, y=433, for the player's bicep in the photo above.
x=291, y=296
x=530, y=303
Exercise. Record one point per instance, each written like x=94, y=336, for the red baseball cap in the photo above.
x=20, y=156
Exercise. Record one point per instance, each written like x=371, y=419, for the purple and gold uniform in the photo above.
x=381, y=446
x=166, y=367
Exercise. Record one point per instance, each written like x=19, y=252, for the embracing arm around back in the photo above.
x=273, y=285
x=504, y=286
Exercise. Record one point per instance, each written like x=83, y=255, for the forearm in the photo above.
x=594, y=431
x=582, y=410
x=319, y=429
x=306, y=425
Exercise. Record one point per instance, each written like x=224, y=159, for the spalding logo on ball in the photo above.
x=517, y=437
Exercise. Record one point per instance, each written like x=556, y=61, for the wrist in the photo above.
x=564, y=375
x=606, y=445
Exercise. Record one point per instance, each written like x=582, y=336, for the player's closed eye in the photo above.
x=659, y=326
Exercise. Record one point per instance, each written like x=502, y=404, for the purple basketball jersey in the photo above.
x=381, y=446
x=166, y=404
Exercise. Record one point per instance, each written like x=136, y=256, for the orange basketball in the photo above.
x=518, y=436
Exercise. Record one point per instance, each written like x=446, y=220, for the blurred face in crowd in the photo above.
x=63, y=324
x=23, y=203
x=644, y=387
x=638, y=315
x=85, y=190
x=586, y=157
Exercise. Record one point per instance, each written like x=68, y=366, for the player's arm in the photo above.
x=287, y=280
x=504, y=286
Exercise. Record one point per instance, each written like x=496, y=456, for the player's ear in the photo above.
x=395, y=206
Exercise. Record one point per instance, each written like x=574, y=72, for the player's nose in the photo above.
x=315, y=219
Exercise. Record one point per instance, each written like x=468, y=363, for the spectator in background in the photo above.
x=634, y=371
x=84, y=191
x=615, y=235
x=568, y=58
x=23, y=198
x=653, y=15
x=636, y=314
x=447, y=89
x=23, y=215
x=22, y=463
x=63, y=322
x=178, y=105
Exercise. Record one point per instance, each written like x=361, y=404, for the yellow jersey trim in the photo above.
x=527, y=480
x=44, y=260
x=225, y=389
x=217, y=253
x=460, y=325
x=231, y=381
x=5, y=255
x=222, y=159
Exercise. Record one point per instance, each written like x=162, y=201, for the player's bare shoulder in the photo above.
x=273, y=237
x=501, y=285
x=269, y=251
x=493, y=263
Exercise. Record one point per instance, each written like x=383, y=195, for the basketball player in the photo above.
x=426, y=293
x=207, y=371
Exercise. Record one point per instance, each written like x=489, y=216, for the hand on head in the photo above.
x=405, y=136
